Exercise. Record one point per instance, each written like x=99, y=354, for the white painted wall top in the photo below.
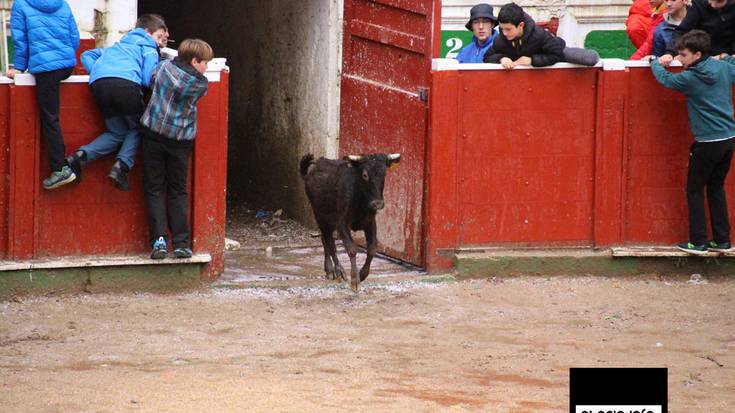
x=439, y=65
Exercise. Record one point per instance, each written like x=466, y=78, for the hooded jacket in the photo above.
x=639, y=22
x=646, y=48
x=133, y=58
x=542, y=47
x=45, y=35
x=473, y=52
x=718, y=23
x=172, y=110
x=707, y=85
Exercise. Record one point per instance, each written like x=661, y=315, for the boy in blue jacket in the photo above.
x=707, y=84
x=169, y=128
x=46, y=39
x=482, y=25
x=117, y=76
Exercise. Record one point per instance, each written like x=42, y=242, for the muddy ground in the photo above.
x=272, y=336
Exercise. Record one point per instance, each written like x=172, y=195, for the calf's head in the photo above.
x=370, y=171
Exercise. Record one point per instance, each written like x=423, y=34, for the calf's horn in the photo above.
x=394, y=156
x=354, y=158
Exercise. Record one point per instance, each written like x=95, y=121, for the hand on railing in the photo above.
x=666, y=60
x=507, y=63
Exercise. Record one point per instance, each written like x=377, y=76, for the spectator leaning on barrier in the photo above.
x=674, y=12
x=169, y=127
x=46, y=39
x=715, y=17
x=521, y=42
x=117, y=76
x=707, y=84
x=482, y=24
x=641, y=17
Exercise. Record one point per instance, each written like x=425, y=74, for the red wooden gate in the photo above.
x=387, y=51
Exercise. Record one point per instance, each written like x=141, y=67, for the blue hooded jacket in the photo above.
x=133, y=58
x=707, y=85
x=45, y=35
x=473, y=52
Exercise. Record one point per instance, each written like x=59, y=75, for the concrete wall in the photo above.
x=284, y=96
x=106, y=20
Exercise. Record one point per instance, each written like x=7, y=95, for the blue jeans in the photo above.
x=122, y=133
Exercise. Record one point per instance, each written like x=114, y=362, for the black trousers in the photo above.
x=709, y=164
x=47, y=94
x=118, y=97
x=165, y=172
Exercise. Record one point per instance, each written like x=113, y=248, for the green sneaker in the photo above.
x=692, y=248
x=721, y=247
x=59, y=178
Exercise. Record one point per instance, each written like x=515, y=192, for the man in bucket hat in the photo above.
x=482, y=24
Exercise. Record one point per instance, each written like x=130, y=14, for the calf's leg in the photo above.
x=344, y=234
x=332, y=267
x=372, y=245
x=328, y=246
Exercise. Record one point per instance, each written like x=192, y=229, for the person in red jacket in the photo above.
x=661, y=27
x=640, y=17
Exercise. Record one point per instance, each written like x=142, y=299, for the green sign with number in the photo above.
x=453, y=41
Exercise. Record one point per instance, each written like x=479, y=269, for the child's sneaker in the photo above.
x=76, y=163
x=692, y=248
x=159, y=249
x=182, y=253
x=721, y=247
x=59, y=178
x=119, y=176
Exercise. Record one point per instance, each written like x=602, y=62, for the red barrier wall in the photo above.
x=4, y=165
x=92, y=217
x=554, y=157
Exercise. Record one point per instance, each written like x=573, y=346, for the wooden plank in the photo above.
x=664, y=252
x=94, y=261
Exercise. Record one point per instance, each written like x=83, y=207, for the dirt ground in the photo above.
x=272, y=336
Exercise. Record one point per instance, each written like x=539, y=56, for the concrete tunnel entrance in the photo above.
x=284, y=88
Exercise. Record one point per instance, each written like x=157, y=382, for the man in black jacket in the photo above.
x=521, y=42
x=716, y=17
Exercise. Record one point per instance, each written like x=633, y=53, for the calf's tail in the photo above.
x=304, y=164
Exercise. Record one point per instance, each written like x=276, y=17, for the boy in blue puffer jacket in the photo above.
x=117, y=76
x=46, y=39
x=707, y=84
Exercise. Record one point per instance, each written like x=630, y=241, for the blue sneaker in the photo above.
x=690, y=248
x=720, y=247
x=182, y=253
x=159, y=249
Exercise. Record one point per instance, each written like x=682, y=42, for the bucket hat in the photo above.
x=481, y=10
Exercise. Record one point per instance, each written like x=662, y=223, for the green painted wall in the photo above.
x=610, y=43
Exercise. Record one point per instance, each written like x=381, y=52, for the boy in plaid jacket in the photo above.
x=168, y=129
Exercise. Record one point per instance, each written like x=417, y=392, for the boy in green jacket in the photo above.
x=707, y=83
